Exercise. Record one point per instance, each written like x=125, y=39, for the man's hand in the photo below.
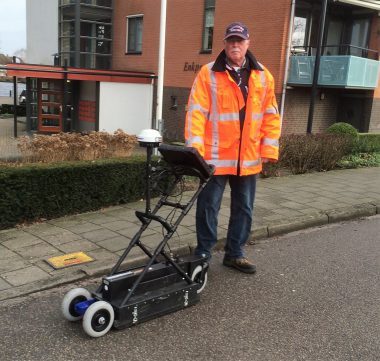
x=268, y=160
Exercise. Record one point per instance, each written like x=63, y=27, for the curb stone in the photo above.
x=347, y=213
x=313, y=220
x=261, y=232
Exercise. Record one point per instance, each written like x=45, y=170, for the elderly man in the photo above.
x=233, y=121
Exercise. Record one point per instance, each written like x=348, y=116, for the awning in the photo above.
x=369, y=4
x=56, y=72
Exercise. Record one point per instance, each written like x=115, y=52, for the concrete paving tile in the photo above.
x=97, y=218
x=43, y=229
x=4, y=285
x=12, y=264
x=117, y=225
x=83, y=228
x=99, y=235
x=133, y=229
x=290, y=204
x=7, y=234
x=223, y=220
x=5, y=253
x=38, y=251
x=115, y=244
x=124, y=214
x=135, y=251
x=268, y=206
x=274, y=217
x=188, y=220
x=63, y=237
x=67, y=222
x=287, y=212
x=77, y=246
x=224, y=211
x=182, y=230
x=102, y=255
x=24, y=240
x=25, y=275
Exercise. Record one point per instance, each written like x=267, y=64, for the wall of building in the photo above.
x=268, y=22
x=297, y=110
x=87, y=106
x=374, y=126
x=375, y=45
x=41, y=31
x=125, y=106
x=184, y=35
x=183, y=55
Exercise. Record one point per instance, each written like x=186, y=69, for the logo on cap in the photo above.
x=237, y=29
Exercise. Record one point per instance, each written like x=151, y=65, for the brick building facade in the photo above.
x=269, y=23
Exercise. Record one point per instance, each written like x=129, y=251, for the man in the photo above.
x=233, y=121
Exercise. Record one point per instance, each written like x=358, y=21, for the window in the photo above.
x=300, y=39
x=359, y=37
x=208, y=29
x=134, y=34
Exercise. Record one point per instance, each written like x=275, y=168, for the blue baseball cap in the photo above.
x=236, y=29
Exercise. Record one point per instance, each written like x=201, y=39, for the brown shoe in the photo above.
x=241, y=264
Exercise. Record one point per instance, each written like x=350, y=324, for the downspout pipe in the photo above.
x=314, y=87
x=287, y=59
x=14, y=103
x=161, y=67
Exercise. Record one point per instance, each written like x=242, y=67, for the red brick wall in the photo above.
x=296, y=113
x=374, y=125
x=267, y=20
x=151, y=28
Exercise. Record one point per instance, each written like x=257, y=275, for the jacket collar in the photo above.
x=220, y=62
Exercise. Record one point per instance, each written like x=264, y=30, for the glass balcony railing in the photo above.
x=341, y=71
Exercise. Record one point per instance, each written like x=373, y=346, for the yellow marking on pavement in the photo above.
x=70, y=259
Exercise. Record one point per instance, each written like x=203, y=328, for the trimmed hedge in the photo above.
x=35, y=191
x=8, y=109
x=341, y=128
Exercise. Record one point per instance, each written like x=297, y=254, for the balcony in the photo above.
x=338, y=71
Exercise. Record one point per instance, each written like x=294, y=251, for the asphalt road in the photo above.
x=315, y=297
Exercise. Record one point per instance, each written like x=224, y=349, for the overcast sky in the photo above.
x=12, y=26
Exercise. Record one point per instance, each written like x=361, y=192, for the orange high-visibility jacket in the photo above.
x=213, y=125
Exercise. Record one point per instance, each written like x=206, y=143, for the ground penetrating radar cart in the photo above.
x=166, y=283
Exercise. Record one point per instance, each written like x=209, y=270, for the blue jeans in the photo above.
x=242, y=197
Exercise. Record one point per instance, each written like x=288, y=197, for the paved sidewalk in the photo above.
x=282, y=205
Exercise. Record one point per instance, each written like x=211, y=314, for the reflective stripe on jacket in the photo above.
x=213, y=125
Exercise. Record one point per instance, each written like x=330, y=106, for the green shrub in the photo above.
x=34, y=191
x=367, y=143
x=360, y=160
x=342, y=129
x=8, y=109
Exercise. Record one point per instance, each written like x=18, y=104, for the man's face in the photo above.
x=236, y=48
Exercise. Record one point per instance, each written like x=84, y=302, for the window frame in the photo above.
x=133, y=52
x=205, y=8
